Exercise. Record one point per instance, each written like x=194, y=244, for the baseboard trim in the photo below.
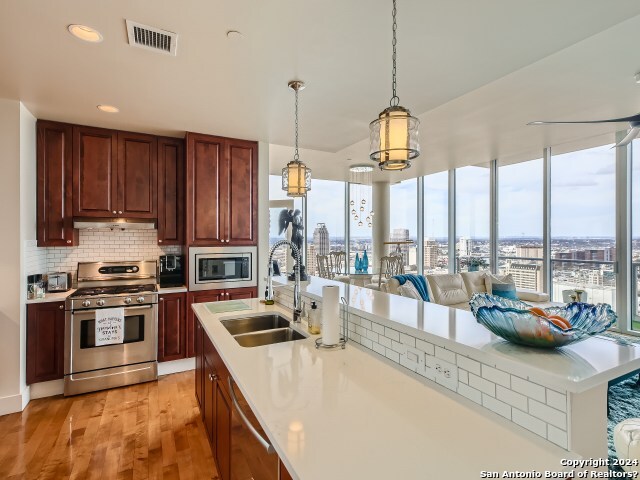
x=11, y=404
x=47, y=389
x=176, y=366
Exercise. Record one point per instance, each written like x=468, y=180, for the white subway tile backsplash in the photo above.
x=407, y=340
x=528, y=388
x=512, y=398
x=445, y=355
x=469, y=365
x=532, y=424
x=496, y=376
x=392, y=355
x=426, y=347
x=557, y=436
x=548, y=414
x=470, y=393
x=557, y=400
x=392, y=334
x=463, y=376
x=379, y=329
x=496, y=406
x=483, y=385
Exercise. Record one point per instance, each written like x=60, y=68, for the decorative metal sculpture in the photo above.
x=293, y=218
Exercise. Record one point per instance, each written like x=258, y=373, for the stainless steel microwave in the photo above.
x=211, y=268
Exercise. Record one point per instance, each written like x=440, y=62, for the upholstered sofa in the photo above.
x=455, y=289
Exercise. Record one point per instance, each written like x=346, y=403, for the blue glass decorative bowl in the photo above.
x=512, y=320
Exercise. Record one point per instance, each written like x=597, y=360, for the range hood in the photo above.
x=114, y=223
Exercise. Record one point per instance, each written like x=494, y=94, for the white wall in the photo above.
x=11, y=270
x=263, y=215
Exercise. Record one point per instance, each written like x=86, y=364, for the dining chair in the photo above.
x=324, y=269
x=337, y=262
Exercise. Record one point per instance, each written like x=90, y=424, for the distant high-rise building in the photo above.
x=312, y=264
x=526, y=275
x=401, y=235
x=528, y=251
x=465, y=247
x=321, y=239
x=430, y=253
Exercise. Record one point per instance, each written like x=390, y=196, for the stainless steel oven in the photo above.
x=222, y=267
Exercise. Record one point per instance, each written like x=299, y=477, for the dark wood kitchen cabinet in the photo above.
x=171, y=177
x=172, y=326
x=45, y=342
x=222, y=187
x=114, y=174
x=137, y=175
x=236, y=452
x=198, y=297
x=54, y=188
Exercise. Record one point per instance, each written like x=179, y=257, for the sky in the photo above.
x=582, y=199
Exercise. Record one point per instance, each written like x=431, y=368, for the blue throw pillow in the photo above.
x=504, y=290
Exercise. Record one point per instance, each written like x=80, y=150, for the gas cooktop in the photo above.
x=114, y=290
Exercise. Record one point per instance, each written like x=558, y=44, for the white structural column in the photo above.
x=381, y=209
x=625, y=293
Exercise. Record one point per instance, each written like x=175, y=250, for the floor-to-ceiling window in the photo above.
x=436, y=223
x=325, y=219
x=360, y=233
x=583, y=225
x=635, y=234
x=278, y=201
x=404, y=222
x=520, y=223
x=473, y=200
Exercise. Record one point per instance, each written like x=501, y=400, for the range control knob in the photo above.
x=140, y=299
x=127, y=300
x=86, y=303
x=100, y=303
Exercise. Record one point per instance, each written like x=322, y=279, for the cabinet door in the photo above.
x=172, y=326
x=55, y=185
x=209, y=395
x=241, y=293
x=171, y=170
x=206, y=190
x=137, y=175
x=199, y=380
x=242, y=202
x=95, y=172
x=45, y=341
x=198, y=297
x=222, y=440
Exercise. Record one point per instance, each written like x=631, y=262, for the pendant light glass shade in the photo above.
x=394, y=139
x=394, y=134
x=296, y=179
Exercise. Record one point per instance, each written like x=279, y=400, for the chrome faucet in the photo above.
x=297, y=300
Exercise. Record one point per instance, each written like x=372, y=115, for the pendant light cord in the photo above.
x=395, y=101
x=296, y=156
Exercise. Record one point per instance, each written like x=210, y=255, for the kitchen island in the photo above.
x=352, y=414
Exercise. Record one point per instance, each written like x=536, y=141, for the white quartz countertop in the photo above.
x=52, y=297
x=575, y=368
x=164, y=290
x=349, y=414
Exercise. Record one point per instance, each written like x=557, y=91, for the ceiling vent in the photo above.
x=152, y=38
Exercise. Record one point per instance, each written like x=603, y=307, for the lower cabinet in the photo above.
x=172, y=326
x=45, y=342
x=237, y=452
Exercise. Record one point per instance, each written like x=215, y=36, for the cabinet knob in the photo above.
x=119, y=212
x=159, y=241
x=114, y=212
x=68, y=241
x=161, y=299
x=61, y=307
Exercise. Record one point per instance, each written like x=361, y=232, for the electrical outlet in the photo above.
x=413, y=359
x=444, y=373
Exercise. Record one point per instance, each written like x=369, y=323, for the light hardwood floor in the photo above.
x=147, y=431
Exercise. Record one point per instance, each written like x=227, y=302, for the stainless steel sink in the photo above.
x=268, y=337
x=255, y=324
x=262, y=330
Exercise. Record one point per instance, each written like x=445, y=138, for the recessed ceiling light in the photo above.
x=233, y=34
x=108, y=108
x=85, y=33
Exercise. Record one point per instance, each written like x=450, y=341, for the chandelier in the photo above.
x=296, y=176
x=361, y=179
x=394, y=134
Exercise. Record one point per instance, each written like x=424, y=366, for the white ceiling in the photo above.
x=475, y=72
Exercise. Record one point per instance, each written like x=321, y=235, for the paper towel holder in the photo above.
x=342, y=343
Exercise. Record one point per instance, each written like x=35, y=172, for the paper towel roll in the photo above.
x=330, y=315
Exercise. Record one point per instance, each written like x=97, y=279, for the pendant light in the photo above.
x=361, y=179
x=296, y=176
x=394, y=134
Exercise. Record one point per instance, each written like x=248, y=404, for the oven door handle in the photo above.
x=126, y=309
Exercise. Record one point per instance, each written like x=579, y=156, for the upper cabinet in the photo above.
x=221, y=191
x=171, y=175
x=114, y=174
x=55, y=176
x=137, y=175
x=95, y=185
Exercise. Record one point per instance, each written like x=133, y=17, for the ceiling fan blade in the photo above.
x=633, y=118
x=633, y=133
